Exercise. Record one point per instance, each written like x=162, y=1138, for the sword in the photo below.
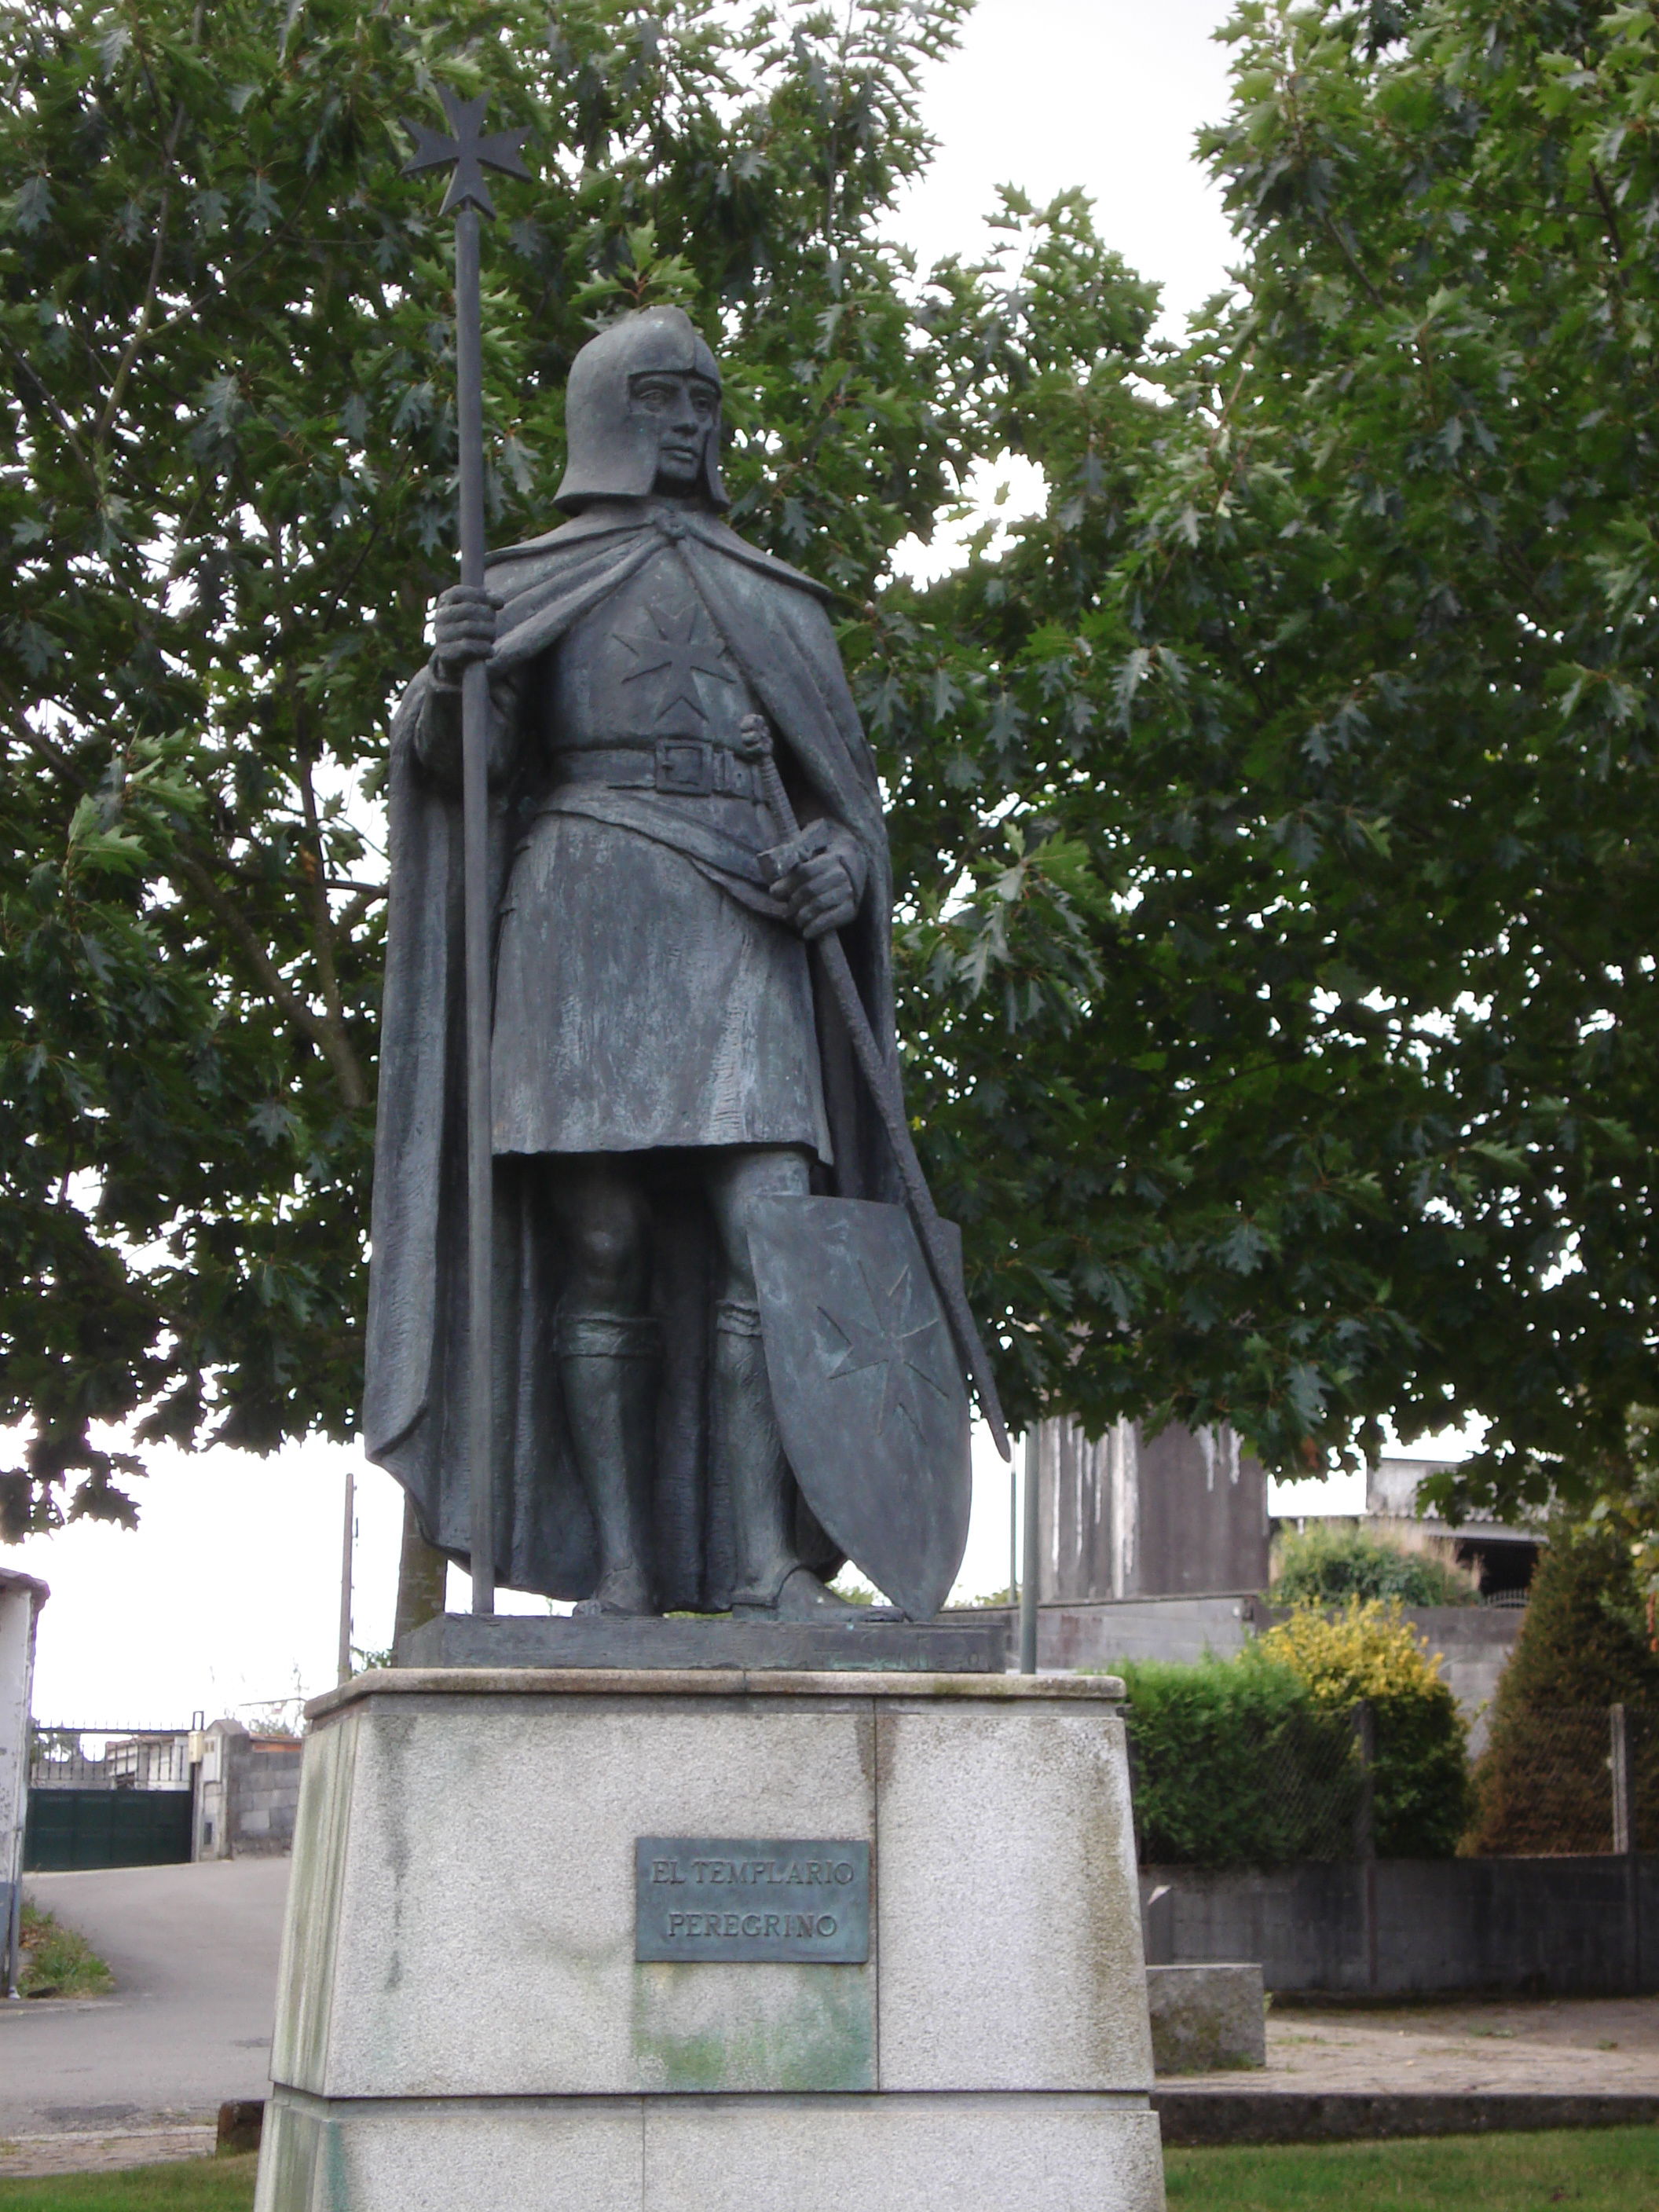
x=883, y=1087
x=470, y=152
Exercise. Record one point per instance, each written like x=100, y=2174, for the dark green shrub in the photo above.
x=1237, y=1765
x=1254, y=1760
x=1329, y=1566
x=1541, y=1785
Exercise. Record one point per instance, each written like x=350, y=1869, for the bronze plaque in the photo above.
x=756, y=1900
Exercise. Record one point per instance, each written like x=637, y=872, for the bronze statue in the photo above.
x=681, y=800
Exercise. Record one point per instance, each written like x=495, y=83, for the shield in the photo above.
x=870, y=1397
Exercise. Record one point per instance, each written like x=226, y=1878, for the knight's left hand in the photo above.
x=823, y=891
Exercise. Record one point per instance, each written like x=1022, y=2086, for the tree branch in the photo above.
x=330, y=1040
x=1609, y=214
x=322, y=921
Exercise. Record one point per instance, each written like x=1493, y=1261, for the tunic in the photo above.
x=647, y=994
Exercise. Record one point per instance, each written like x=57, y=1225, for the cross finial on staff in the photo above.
x=470, y=152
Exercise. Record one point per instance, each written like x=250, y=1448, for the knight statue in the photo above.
x=665, y=1062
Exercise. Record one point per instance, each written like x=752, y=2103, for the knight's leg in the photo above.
x=609, y=1355
x=770, y=1575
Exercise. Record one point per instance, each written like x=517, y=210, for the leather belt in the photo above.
x=681, y=768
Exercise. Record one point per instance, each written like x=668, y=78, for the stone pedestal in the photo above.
x=463, y=2024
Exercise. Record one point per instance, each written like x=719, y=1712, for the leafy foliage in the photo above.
x=1274, y=821
x=1235, y=1764
x=1368, y=1651
x=1582, y=1641
x=1253, y=1760
x=1335, y=692
x=226, y=507
x=1330, y=1564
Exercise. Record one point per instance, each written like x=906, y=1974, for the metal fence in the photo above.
x=107, y=1797
x=1557, y=1782
x=109, y=1758
x=1264, y=1790
x=1271, y=1790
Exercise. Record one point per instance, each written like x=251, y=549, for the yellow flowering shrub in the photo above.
x=1369, y=1649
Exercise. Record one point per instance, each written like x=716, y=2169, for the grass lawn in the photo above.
x=1586, y=2169
x=194, y=2184
x=61, y=1964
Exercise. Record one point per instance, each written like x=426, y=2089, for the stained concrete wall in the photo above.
x=1134, y=1516
x=1095, y=1636
x=1566, y=1927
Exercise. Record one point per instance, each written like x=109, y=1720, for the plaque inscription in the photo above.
x=752, y=1899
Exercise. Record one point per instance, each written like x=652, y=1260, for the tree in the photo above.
x=1542, y=1783
x=1275, y=822
x=227, y=506
x=1369, y=1651
x=1329, y=1564
x=1332, y=697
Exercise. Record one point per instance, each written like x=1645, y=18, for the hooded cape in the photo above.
x=773, y=622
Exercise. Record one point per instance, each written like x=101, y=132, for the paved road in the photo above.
x=193, y=1950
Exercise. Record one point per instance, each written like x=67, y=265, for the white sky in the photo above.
x=227, y=1596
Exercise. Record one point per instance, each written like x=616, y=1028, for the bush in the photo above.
x=1327, y=1566
x=1541, y=1785
x=1369, y=1652
x=1237, y=1765
x=1252, y=1761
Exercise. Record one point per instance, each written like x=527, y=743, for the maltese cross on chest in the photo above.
x=672, y=649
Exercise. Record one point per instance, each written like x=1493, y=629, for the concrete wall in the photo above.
x=1567, y=1927
x=1133, y=1515
x=1097, y=1635
x=247, y=1793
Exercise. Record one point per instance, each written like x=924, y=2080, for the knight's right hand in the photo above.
x=463, y=630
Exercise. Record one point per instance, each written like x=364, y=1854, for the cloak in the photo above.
x=773, y=622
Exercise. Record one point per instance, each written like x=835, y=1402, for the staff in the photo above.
x=470, y=152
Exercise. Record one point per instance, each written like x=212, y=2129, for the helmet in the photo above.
x=611, y=453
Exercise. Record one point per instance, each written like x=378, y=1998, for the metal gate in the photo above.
x=107, y=1797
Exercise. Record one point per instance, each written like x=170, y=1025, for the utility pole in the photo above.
x=348, y=1535
x=1621, y=1765
x=1027, y=1587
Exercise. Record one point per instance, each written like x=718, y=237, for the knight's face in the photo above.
x=682, y=411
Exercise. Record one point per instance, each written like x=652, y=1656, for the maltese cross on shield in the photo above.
x=871, y=1401
x=896, y=1328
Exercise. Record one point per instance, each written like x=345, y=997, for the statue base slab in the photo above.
x=877, y=1642
x=472, y=2015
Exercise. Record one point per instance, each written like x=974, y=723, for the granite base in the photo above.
x=463, y=2022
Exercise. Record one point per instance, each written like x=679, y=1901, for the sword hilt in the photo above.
x=755, y=745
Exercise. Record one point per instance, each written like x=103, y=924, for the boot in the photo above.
x=747, y=1443
x=607, y=1367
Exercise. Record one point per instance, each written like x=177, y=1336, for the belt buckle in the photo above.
x=683, y=767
